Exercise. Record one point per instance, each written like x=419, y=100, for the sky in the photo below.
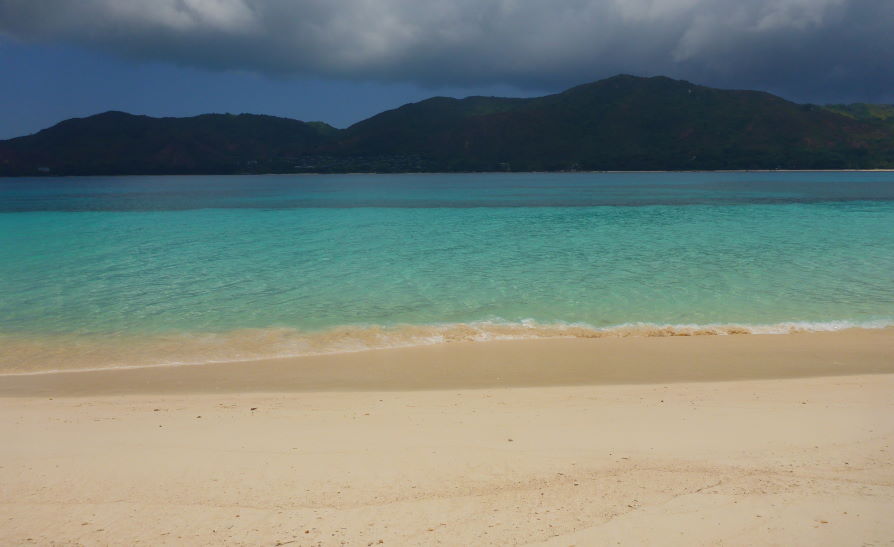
x=340, y=61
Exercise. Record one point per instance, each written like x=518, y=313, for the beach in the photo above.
x=734, y=440
x=454, y=359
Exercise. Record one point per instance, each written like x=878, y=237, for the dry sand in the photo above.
x=735, y=440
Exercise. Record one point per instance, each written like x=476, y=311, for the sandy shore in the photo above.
x=739, y=440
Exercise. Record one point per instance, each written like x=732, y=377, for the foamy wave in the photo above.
x=62, y=353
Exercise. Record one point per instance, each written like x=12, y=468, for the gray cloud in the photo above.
x=817, y=50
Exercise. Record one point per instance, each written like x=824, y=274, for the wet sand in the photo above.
x=515, y=363
x=739, y=440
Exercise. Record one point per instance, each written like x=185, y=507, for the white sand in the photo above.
x=794, y=461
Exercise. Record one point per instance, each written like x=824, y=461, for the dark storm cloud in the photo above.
x=805, y=49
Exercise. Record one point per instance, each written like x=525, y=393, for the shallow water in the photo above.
x=148, y=270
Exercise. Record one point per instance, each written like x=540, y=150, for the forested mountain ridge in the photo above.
x=621, y=123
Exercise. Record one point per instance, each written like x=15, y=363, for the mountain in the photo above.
x=121, y=143
x=625, y=123
x=622, y=123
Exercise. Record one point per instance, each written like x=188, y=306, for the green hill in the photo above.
x=121, y=143
x=622, y=123
x=625, y=123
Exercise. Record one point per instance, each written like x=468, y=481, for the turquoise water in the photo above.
x=150, y=270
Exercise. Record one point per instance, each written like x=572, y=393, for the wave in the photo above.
x=41, y=354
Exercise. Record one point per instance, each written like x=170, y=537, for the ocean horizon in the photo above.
x=103, y=272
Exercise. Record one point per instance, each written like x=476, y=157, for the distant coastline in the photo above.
x=370, y=173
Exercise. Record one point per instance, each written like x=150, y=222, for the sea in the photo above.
x=100, y=272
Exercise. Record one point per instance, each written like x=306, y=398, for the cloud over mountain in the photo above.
x=809, y=49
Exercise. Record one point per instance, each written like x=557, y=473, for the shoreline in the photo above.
x=86, y=353
x=494, y=364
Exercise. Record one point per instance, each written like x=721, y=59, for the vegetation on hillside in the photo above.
x=622, y=123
